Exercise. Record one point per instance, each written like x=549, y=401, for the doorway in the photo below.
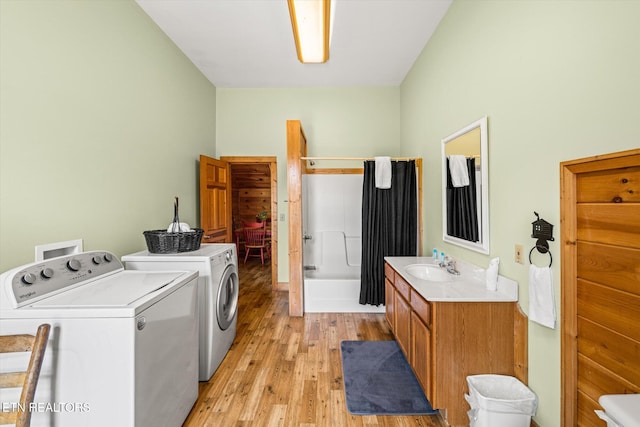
x=254, y=188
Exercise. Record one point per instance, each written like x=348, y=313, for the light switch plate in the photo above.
x=519, y=257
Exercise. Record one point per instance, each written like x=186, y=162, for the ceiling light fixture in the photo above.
x=311, y=22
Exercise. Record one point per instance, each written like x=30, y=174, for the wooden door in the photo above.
x=600, y=218
x=215, y=200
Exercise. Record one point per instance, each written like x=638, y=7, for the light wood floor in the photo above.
x=286, y=371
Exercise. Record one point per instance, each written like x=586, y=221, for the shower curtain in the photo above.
x=462, y=206
x=389, y=225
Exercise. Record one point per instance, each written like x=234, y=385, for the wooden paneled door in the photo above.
x=215, y=200
x=600, y=234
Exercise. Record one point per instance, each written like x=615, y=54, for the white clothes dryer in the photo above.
x=123, y=347
x=218, y=286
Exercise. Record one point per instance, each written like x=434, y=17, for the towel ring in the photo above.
x=543, y=250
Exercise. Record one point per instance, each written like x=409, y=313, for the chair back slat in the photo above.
x=254, y=236
x=28, y=380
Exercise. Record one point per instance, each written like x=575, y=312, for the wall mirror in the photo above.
x=465, y=187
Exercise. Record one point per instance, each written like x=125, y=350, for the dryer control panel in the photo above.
x=32, y=282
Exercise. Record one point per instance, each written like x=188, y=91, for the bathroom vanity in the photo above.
x=452, y=327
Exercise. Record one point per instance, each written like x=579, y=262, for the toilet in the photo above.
x=620, y=410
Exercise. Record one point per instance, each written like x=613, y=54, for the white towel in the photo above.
x=458, y=170
x=183, y=227
x=383, y=172
x=542, y=305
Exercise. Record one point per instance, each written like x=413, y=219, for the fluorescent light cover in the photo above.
x=310, y=20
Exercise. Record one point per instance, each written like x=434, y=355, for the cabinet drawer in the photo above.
x=388, y=272
x=421, y=307
x=402, y=286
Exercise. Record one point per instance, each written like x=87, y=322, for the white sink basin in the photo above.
x=429, y=272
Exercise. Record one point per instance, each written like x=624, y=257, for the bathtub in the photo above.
x=332, y=284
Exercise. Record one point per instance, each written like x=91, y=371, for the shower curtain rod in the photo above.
x=355, y=158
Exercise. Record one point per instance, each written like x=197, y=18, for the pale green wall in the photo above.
x=350, y=122
x=558, y=80
x=102, y=121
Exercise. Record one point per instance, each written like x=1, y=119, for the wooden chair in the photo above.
x=254, y=239
x=20, y=415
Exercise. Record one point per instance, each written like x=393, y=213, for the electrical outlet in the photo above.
x=519, y=257
x=281, y=217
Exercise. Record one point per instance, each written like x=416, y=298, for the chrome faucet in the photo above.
x=450, y=265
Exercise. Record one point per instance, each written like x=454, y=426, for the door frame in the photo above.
x=273, y=178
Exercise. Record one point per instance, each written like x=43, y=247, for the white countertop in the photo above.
x=469, y=286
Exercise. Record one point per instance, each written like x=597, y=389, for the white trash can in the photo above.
x=499, y=400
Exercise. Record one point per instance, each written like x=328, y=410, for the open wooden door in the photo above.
x=215, y=200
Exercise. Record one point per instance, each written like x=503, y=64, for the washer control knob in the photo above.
x=74, y=265
x=228, y=256
x=47, y=273
x=97, y=259
x=108, y=257
x=29, y=279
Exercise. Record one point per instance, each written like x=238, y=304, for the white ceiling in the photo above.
x=249, y=43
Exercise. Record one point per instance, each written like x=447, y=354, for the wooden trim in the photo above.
x=420, y=225
x=296, y=147
x=273, y=172
x=282, y=286
x=568, y=345
x=334, y=171
x=520, y=344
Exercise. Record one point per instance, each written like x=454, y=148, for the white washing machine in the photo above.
x=123, y=346
x=217, y=265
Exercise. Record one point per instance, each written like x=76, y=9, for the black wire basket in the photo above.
x=163, y=242
x=171, y=242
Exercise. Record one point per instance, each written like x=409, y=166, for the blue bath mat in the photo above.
x=379, y=381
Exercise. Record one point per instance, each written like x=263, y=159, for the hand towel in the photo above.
x=383, y=172
x=542, y=305
x=458, y=170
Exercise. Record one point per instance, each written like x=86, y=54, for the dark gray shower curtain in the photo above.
x=462, y=206
x=389, y=225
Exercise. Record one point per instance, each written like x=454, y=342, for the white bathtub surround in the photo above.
x=332, y=284
x=468, y=286
x=332, y=255
x=334, y=295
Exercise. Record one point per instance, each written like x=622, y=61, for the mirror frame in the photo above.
x=483, y=221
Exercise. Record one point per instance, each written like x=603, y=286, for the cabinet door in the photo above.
x=402, y=323
x=421, y=353
x=389, y=292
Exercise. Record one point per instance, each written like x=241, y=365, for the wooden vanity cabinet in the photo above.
x=445, y=342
